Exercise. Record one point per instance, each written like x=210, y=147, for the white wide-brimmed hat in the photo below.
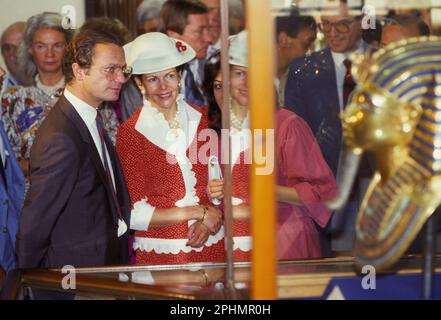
x=239, y=49
x=155, y=51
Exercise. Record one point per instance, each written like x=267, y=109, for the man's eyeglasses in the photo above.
x=112, y=72
x=342, y=26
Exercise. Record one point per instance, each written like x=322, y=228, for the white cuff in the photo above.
x=141, y=215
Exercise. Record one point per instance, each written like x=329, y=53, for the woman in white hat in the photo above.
x=171, y=216
x=304, y=180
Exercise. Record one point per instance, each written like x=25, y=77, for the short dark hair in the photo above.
x=174, y=14
x=372, y=36
x=108, y=26
x=293, y=24
x=81, y=50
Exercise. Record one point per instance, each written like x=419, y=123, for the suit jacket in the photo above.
x=11, y=202
x=69, y=217
x=311, y=92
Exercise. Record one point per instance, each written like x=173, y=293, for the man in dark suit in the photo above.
x=77, y=209
x=317, y=89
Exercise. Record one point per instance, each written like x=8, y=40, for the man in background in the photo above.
x=10, y=40
x=318, y=89
x=399, y=27
x=214, y=24
x=295, y=37
x=148, y=13
x=187, y=20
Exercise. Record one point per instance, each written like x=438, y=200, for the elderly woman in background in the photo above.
x=304, y=180
x=40, y=71
x=148, y=13
x=171, y=213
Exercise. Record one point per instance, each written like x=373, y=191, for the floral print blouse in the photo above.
x=25, y=108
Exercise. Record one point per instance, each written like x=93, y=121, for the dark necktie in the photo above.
x=100, y=126
x=349, y=83
x=192, y=93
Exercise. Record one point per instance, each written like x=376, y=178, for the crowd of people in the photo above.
x=98, y=131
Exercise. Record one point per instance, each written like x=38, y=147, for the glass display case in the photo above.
x=264, y=277
x=312, y=279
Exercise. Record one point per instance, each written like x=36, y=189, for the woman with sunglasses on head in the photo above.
x=172, y=217
x=40, y=57
x=304, y=180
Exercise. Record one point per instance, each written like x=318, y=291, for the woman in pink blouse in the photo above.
x=304, y=180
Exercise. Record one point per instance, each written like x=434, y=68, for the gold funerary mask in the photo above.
x=395, y=112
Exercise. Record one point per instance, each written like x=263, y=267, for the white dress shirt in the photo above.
x=213, y=48
x=340, y=69
x=88, y=114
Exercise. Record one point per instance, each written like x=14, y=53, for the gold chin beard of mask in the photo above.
x=395, y=112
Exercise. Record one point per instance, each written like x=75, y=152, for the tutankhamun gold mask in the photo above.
x=395, y=113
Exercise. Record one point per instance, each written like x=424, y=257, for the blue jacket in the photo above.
x=11, y=202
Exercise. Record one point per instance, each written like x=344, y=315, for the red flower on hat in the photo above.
x=181, y=47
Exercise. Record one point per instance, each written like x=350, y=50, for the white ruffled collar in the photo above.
x=153, y=125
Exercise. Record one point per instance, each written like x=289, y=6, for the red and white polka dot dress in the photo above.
x=151, y=176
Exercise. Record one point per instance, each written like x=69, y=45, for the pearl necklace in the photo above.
x=235, y=121
x=175, y=124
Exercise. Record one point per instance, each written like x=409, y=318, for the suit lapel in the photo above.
x=73, y=115
x=333, y=94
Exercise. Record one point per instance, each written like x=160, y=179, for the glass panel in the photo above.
x=317, y=79
x=296, y=280
x=328, y=70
